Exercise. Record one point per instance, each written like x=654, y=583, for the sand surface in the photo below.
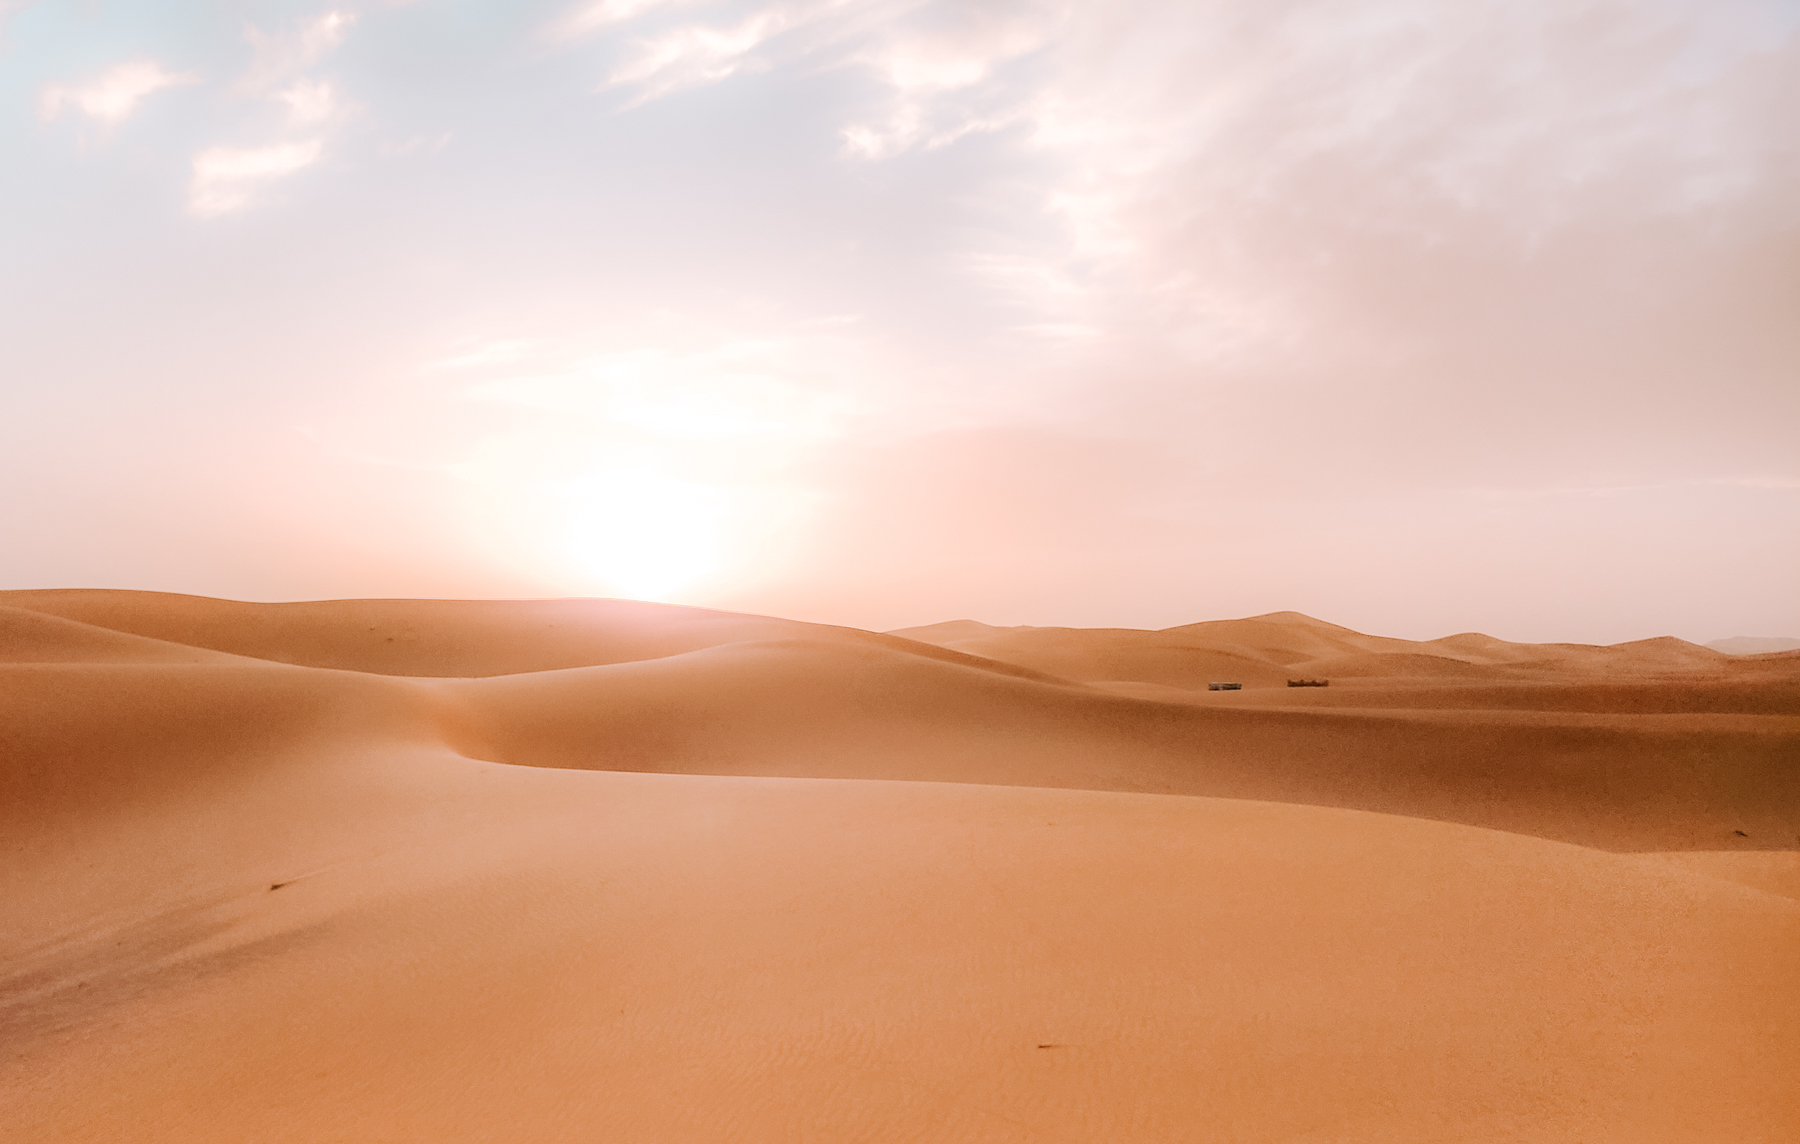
x=592, y=870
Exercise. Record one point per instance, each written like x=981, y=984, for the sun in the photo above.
x=643, y=534
x=656, y=472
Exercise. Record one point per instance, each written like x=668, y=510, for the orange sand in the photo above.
x=378, y=870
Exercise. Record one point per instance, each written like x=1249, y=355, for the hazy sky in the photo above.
x=1420, y=317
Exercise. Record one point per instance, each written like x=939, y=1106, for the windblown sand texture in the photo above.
x=588, y=870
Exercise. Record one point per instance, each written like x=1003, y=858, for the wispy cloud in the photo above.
x=308, y=101
x=696, y=54
x=937, y=70
x=280, y=56
x=583, y=20
x=112, y=96
x=226, y=177
x=745, y=38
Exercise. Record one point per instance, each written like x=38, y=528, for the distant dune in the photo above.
x=598, y=870
x=1270, y=649
x=1755, y=645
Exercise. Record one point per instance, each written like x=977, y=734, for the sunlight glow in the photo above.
x=643, y=533
x=655, y=471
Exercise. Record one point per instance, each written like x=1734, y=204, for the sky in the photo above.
x=1418, y=317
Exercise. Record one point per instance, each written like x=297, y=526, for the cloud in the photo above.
x=949, y=62
x=1190, y=153
x=308, y=102
x=584, y=20
x=112, y=96
x=281, y=56
x=696, y=54
x=1384, y=224
x=225, y=177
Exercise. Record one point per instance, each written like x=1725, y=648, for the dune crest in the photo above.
x=1273, y=647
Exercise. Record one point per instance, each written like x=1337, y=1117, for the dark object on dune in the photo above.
x=1309, y=683
x=1224, y=687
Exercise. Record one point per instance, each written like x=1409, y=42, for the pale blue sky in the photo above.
x=1420, y=317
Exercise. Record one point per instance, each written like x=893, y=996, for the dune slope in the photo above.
x=1649, y=764
x=832, y=711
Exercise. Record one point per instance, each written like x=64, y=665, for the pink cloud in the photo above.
x=113, y=95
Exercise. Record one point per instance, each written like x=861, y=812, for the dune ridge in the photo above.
x=560, y=870
x=1272, y=648
x=715, y=693
x=433, y=638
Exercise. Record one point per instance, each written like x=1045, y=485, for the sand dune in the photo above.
x=800, y=709
x=1107, y=654
x=1755, y=645
x=272, y=876
x=439, y=637
x=1397, y=665
x=1268, y=650
x=34, y=637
